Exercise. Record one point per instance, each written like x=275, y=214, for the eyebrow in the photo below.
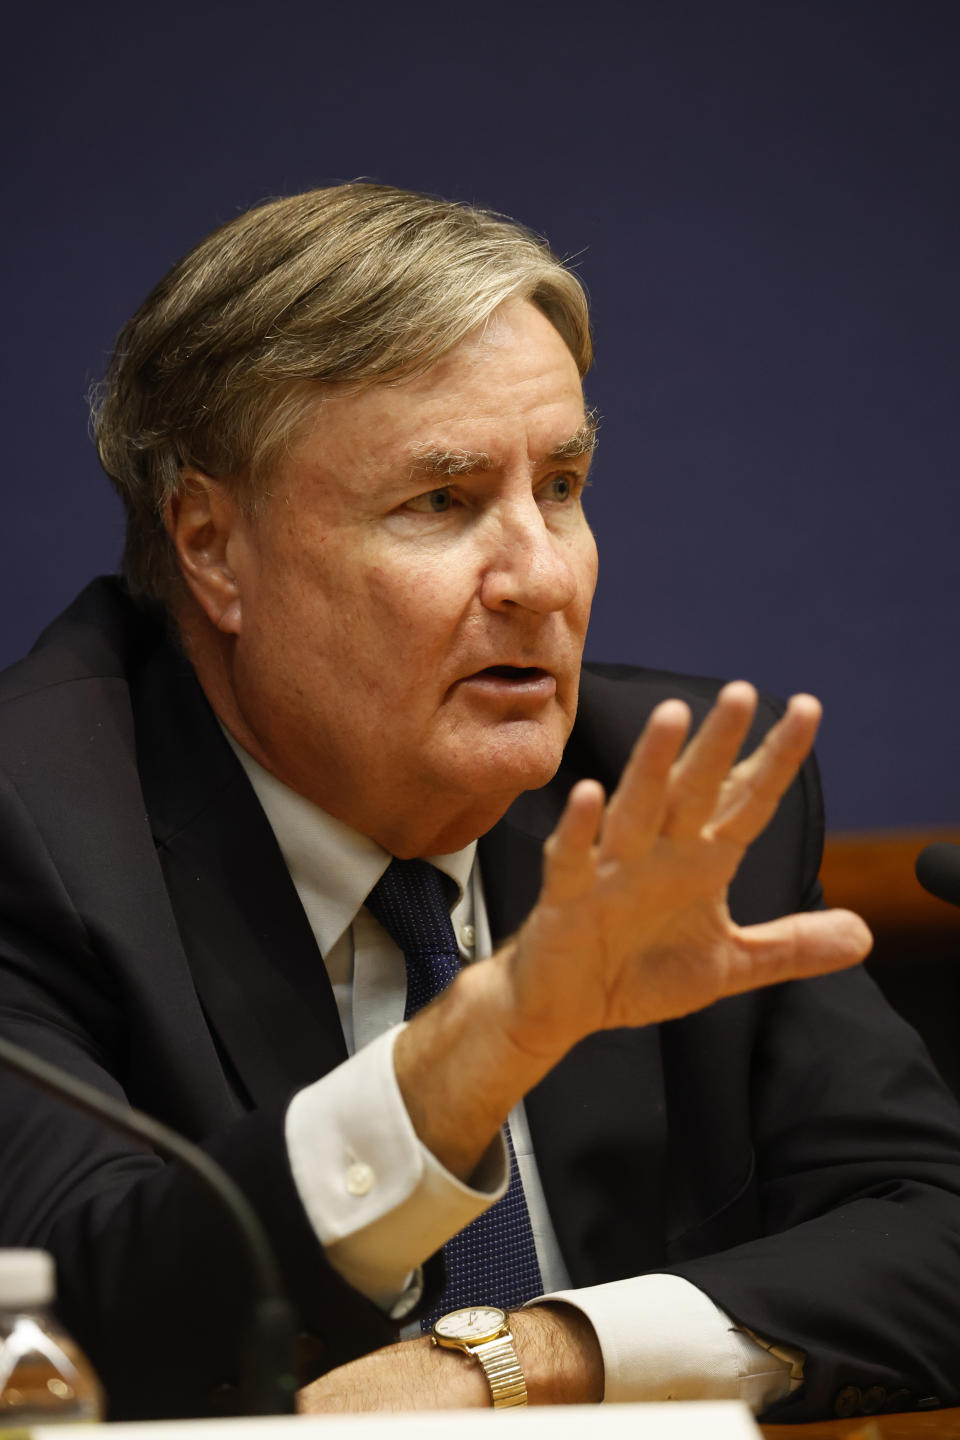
x=473, y=462
x=581, y=442
x=452, y=462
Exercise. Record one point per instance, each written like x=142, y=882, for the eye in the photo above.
x=431, y=502
x=560, y=488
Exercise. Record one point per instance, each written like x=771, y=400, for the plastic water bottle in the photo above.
x=44, y=1377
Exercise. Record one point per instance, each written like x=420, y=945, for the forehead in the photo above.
x=511, y=382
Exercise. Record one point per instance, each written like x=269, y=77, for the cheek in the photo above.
x=329, y=594
x=425, y=601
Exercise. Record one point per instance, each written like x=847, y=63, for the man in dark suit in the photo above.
x=350, y=434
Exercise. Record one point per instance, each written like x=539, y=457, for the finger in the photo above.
x=796, y=947
x=703, y=767
x=567, y=853
x=757, y=784
x=635, y=812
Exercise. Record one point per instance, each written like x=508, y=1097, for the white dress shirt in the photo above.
x=381, y=1203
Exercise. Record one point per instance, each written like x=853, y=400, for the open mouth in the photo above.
x=517, y=673
x=513, y=684
x=528, y=680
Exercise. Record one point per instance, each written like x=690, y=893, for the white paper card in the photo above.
x=676, y=1420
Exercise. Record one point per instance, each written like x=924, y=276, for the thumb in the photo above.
x=795, y=947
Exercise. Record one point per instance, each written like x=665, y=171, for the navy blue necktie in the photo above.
x=494, y=1260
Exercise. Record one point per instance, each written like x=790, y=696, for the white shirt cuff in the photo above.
x=379, y=1201
x=663, y=1339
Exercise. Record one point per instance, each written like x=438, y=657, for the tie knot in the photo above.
x=412, y=900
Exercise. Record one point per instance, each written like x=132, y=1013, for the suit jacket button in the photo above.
x=873, y=1400
x=929, y=1402
x=847, y=1402
x=900, y=1400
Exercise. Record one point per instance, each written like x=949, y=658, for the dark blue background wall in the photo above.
x=763, y=199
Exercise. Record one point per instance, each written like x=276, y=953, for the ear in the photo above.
x=208, y=531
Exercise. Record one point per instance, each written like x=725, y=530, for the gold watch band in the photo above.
x=498, y=1358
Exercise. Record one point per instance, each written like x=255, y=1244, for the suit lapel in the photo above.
x=598, y=1120
x=255, y=963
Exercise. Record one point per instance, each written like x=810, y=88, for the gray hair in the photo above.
x=355, y=284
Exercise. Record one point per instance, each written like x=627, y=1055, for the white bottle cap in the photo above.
x=27, y=1277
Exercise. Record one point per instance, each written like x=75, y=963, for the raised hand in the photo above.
x=632, y=924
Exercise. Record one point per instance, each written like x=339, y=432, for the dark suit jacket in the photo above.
x=789, y=1151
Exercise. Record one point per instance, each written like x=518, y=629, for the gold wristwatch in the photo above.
x=483, y=1332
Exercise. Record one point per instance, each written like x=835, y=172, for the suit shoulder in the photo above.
x=603, y=681
x=94, y=639
x=65, y=709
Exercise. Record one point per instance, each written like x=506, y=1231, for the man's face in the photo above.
x=414, y=596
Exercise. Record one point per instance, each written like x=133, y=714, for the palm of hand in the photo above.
x=632, y=925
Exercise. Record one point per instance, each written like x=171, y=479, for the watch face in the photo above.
x=472, y=1323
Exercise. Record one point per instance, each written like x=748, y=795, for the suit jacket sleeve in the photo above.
x=853, y=1187
x=150, y=1275
x=844, y=1237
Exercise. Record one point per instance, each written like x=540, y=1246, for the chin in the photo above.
x=521, y=762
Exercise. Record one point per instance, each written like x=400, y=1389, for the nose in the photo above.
x=530, y=566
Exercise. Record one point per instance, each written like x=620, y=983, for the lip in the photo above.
x=517, y=682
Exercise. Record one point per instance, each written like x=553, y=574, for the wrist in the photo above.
x=482, y=1333
x=461, y=1046
x=559, y=1354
